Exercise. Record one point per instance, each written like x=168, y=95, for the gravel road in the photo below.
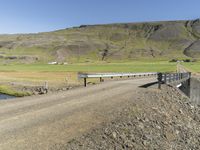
x=41, y=122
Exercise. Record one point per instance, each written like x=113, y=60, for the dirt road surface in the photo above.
x=42, y=122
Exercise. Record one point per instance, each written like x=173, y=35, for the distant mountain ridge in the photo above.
x=124, y=41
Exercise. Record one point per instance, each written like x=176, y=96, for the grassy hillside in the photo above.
x=111, y=43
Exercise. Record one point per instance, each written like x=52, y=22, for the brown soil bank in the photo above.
x=154, y=120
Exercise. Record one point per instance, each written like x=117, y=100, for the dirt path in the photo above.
x=43, y=121
x=181, y=68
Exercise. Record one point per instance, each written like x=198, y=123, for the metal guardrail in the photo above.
x=169, y=78
x=112, y=75
x=163, y=78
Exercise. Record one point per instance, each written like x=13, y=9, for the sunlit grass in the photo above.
x=193, y=66
x=108, y=67
x=8, y=90
x=67, y=74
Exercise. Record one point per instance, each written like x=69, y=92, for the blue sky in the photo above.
x=30, y=16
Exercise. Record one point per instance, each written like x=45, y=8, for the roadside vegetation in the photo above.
x=27, y=76
x=193, y=66
x=5, y=89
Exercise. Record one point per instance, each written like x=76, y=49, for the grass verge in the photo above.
x=4, y=89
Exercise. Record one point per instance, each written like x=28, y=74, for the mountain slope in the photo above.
x=154, y=40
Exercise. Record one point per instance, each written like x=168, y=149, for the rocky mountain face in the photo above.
x=172, y=39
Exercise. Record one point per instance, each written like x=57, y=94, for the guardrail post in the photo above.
x=189, y=74
x=159, y=80
x=178, y=77
x=46, y=87
x=85, y=82
x=173, y=77
x=165, y=78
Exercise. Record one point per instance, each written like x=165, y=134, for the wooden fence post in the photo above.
x=46, y=87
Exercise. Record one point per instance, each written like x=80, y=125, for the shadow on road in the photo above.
x=148, y=84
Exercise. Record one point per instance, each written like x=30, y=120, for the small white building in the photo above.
x=53, y=63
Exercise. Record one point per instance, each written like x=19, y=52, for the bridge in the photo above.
x=41, y=122
x=174, y=78
x=163, y=78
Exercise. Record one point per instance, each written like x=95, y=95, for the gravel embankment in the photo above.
x=155, y=120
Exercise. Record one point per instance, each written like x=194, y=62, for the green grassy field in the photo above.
x=66, y=75
x=194, y=66
x=110, y=67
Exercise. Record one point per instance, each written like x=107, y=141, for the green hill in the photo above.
x=112, y=42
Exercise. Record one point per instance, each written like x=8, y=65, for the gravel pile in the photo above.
x=157, y=119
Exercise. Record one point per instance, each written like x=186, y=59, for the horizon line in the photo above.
x=98, y=24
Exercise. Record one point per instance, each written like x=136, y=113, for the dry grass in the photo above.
x=38, y=78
